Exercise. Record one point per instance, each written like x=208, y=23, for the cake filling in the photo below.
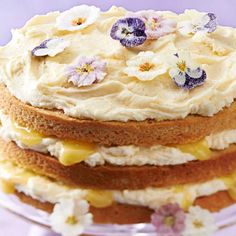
x=71, y=152
x=27, y=182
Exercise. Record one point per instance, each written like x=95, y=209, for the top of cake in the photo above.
x=120, y=65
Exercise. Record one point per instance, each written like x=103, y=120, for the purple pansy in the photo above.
x=169, y=220
x=129, y=31
x=186, y=75
x=50, y=47
x=86, y=71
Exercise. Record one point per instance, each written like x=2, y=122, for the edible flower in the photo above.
x=185, y=73
x=199, y=222
x=205, y=23
x=129, y=31
x=156, y=24
x=50, y=47
x=169, y=220
x=145, y=66
x=70, y=217
x=77, y=18
x=86, y=71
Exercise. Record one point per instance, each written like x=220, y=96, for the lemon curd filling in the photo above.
x=73, y=152
x=198, y=149
x=27, y=136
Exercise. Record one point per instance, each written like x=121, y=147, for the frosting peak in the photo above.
x=122, y=95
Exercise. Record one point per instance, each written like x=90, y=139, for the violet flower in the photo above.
x=129, y=31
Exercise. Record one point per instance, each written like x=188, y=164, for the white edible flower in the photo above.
x=199, y=222
x=77, y=18
x=70, y=217
x=145, y=66
x=202, y=23
x=50, y=47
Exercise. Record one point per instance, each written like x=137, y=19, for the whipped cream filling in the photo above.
x=42, y=82
x=158, y=155
x=153, y=198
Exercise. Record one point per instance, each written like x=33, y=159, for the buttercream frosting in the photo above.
x=42, y=81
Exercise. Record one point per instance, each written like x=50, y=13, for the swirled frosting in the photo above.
x=41, y=82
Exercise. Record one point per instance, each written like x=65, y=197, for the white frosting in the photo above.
x=155, y=197
x=50, y=192
x=222, y=140
x=42, y=82
x=132, y=155
x=122, y=155
x=149, y=197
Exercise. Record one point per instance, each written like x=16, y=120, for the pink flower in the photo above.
x=156, y=24
x=87, y=71
x=169, y=220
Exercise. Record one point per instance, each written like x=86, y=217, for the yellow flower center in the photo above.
x=182, y=65
x=78, y=21
x=198, y=224
x=146, y=67
x=154, y=24
x=169, y=221
x=86, y=68
x=71, y=220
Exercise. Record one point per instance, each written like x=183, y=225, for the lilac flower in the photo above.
x=50, y=47
x=129, y=31
x=156, y=24
x=185, y=73
x=87, y=71
x=169, y=220
x=204, y=23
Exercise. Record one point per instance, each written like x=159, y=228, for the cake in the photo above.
x=120, y=117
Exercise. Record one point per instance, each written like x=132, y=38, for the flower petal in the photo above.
x=211, y=24
x=194, y=73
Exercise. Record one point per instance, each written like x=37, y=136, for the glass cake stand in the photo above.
x=225, y=220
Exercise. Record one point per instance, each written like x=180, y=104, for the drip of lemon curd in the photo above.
x=99, y=199
x=75, y=152
x=198, y=149
x=7, y=186
x=27, y=136
x=187, y=199
x=230, y=182
x=10, y=176
x=72, y=151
